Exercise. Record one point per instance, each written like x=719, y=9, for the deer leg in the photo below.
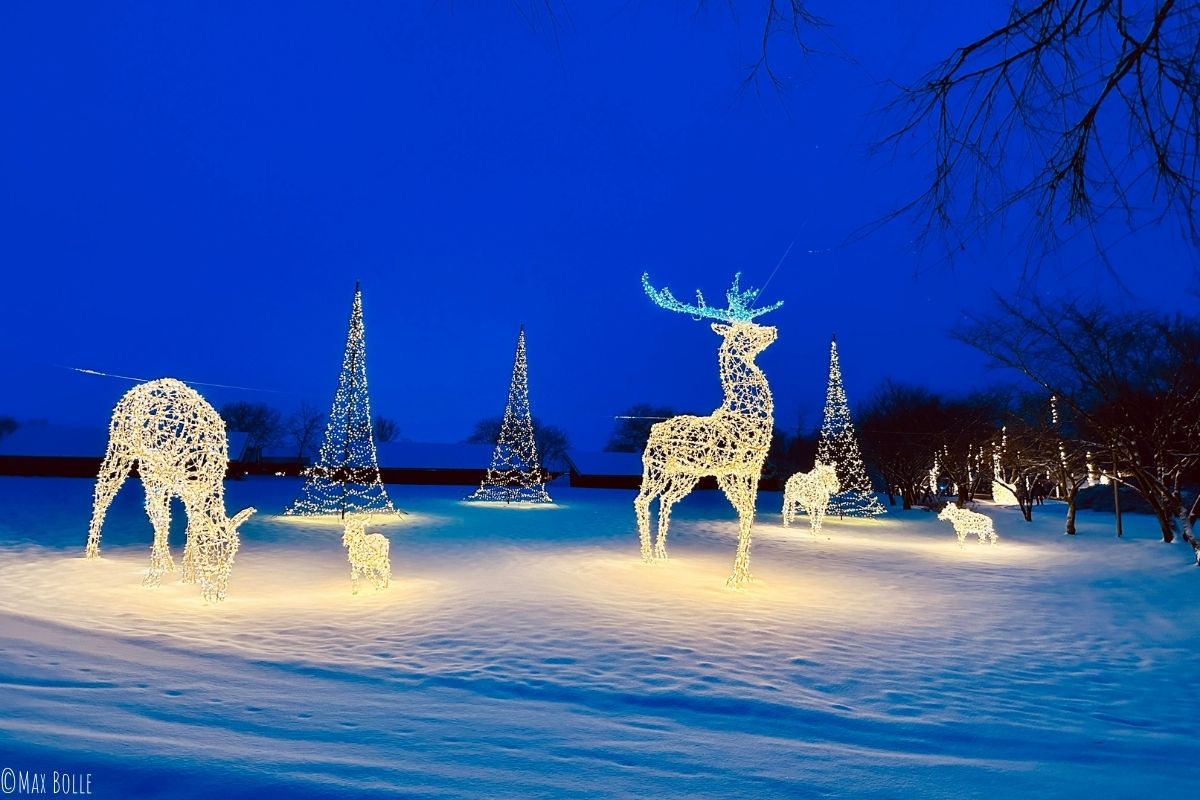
x=189, y=572
x=741, y=492
x=651, y=486
x=112, y=475
x=676, y=490
x=158, y=508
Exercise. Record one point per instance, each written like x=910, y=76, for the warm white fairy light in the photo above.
x=810, y=491
x=966, y=522
x=177, y=440
x=368, y=553
x=839, y=445
x=345, y=479
x=934, y=471
x=515, y=475
x=730, y=444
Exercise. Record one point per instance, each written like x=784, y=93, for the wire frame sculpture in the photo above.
x=345, y=478
x=368, y=553
x=967, y=522
x=515, y=474
x=810, y=491
x=177, y=441
x=730, y=444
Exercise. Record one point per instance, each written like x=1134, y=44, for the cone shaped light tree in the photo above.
x=839, y=446
x=345, y=479
x=515, y=475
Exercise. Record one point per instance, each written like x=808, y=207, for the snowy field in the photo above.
x=529, y=653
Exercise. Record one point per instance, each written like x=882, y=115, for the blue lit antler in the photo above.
x=741, y=304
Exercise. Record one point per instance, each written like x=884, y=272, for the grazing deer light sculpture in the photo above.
x=178, y=442
x=810, y=491
x=730, y=444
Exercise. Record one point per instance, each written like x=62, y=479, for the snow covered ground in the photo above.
x=529, y=653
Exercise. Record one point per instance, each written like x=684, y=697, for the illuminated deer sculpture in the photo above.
x=368, y=553
x=810, y=491
x=177, y=440
x=730, y=444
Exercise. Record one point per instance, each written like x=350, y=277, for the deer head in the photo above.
x=746, y=337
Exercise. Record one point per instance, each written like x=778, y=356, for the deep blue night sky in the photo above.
x=191, y=189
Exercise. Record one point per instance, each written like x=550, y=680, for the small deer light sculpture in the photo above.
x=368, y=553
x=966, y=522
x=730, y=444
x=177, y=440
x=810, y=491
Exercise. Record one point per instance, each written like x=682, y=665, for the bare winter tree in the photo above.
x=968, y=427
x=385, y=429
x=1072, y=110
x=632, y=427
x=901, y=428
x=303, y=427
x=1132, y=380
x=259, y=420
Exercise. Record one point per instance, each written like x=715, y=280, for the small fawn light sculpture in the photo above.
x=966, y=522
x=368, y=553
x=177, y=440
x=730, y=444
x=810, y=491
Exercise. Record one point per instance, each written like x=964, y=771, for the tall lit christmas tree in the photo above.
x=515, y=475
x=839, y=446
x=345, y=478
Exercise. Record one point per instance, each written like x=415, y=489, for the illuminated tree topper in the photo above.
x=810, y=491
x=966, y=522
x=177, y=440
x=368, y=553
x=730, y=444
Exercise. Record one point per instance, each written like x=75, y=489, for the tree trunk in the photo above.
x=964, y=495
x=906, y=497
x=1185, y=528
x=1071, y=495
x=1161, y=511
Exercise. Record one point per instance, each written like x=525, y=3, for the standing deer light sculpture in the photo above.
x=368, y=553
x=810, y=491
x=966, y=522
x=730, y=444
x=177, y=440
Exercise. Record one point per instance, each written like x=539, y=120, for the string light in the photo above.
x=839, y=445
x=966, y=522
x=368, y=553
x=177, y=440
x=345, y=480
x=934, y=471
x=730, y=444
x=810, y=491
x=515, y=475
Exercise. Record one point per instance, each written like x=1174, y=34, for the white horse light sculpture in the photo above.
x=177, y=440
x=966, y=522
x=810, y=491
x=729, y=444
